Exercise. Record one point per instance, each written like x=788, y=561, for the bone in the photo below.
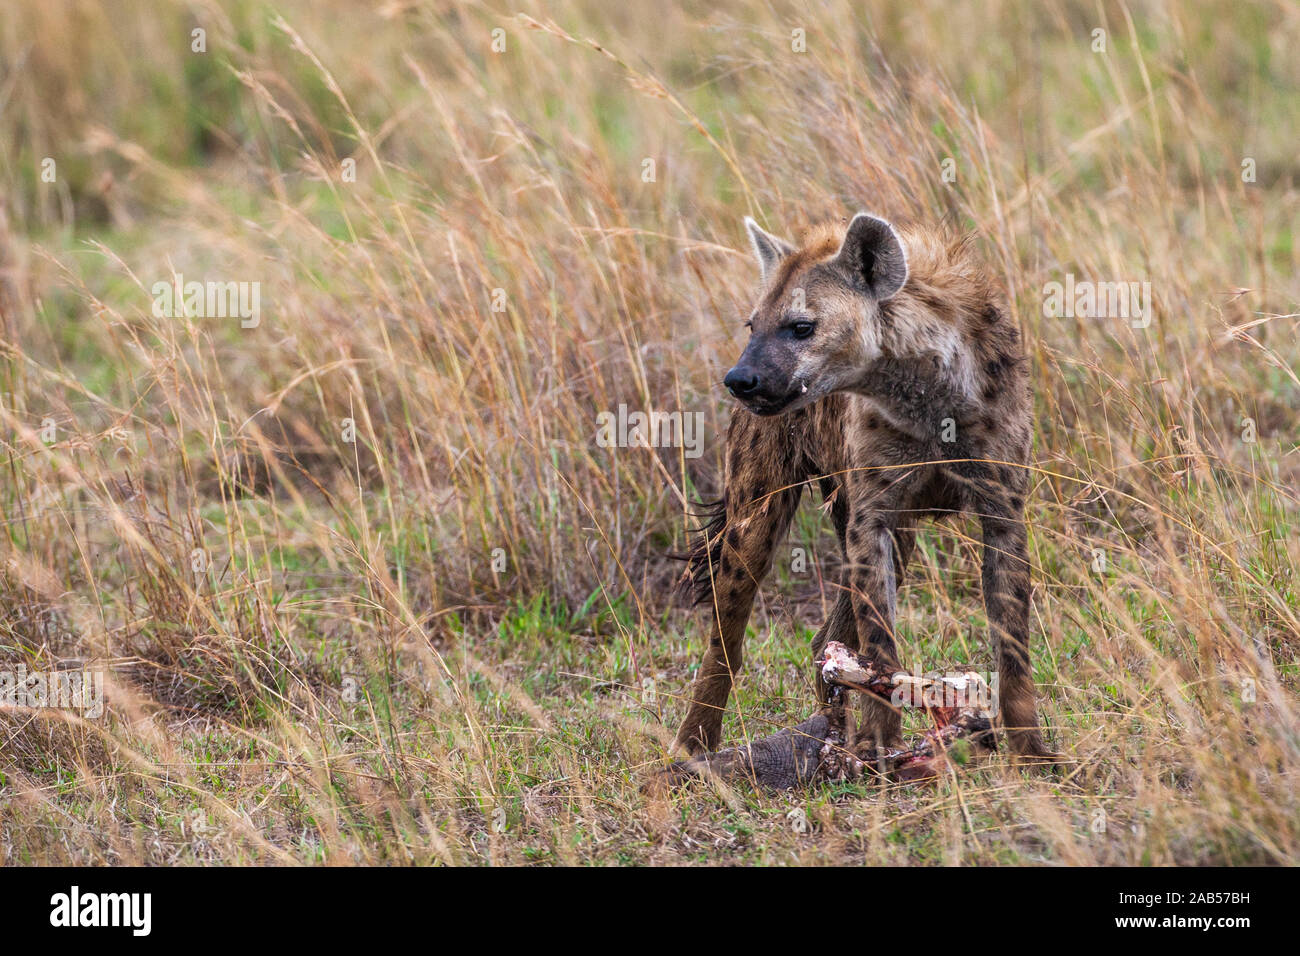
x=819, y=749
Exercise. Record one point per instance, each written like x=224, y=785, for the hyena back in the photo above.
x=882, y=364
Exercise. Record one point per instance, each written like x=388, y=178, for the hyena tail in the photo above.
x=705, y=552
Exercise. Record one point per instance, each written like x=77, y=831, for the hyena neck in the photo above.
x=923, y=376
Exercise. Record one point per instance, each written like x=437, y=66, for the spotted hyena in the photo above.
x=883, y=366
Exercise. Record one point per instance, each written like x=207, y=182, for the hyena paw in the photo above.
x=1029, y=749
x=690, y=744
x=869, y=744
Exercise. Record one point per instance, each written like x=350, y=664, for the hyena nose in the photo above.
x=741, y=381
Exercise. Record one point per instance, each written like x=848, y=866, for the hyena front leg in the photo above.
x=1005, y=580
x=875, y=561
x=840, y=624
x=753, y=529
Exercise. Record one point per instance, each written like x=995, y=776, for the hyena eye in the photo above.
x=802, y=330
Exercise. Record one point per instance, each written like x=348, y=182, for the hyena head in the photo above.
x=817, y=325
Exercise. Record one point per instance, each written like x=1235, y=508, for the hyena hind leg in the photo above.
x=1005, y=579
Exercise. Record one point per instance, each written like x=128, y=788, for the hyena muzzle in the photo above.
x=883, y=366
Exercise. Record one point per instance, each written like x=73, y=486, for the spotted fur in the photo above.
x=908, y=399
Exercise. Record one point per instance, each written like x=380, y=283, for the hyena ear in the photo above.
x=768, y=249
x=873, y=258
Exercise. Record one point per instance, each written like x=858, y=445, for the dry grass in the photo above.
x=505, y=716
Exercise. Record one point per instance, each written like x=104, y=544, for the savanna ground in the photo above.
x=314, y=651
